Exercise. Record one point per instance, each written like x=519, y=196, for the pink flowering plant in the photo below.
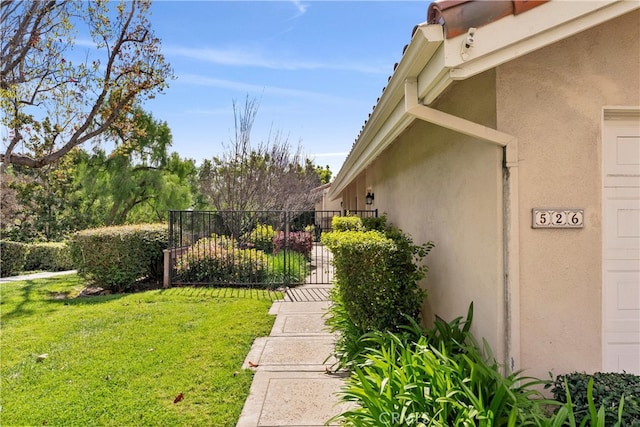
x=299, y=241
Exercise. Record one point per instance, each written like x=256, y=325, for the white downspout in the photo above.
x=510, y=203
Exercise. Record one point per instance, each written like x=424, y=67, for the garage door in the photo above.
x=621, y=240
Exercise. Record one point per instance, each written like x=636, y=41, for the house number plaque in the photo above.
x=558, y=218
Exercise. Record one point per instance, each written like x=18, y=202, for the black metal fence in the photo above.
x=255, y=249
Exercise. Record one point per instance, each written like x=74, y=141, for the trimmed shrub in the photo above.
x=117, y=257
x=299, y=241
x=377, y=275
x=214, y=260
x=261, y=238
x=364, y=281
x=375, y=222
x=608, y=388
x=349, y=346
x=49, y=256
x=13, y=256
x=347, y=223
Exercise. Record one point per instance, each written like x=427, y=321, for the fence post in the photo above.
x=286, y=249
x=166, y=279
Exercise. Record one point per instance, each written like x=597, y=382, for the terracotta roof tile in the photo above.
x=458, y=16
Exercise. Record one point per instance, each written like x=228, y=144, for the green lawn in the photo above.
x=123, y=359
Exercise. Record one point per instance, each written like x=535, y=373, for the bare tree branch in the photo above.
x=267, y=176
x=41, y=78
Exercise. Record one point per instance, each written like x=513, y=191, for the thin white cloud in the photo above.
x=302, y=8
x=253, y=88
x=246, y=58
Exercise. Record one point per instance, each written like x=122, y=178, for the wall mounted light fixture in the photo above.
x=369, y=198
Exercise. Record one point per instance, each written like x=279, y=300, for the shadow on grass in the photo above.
x=40, y=296
x=224, y=292
x=28, y=297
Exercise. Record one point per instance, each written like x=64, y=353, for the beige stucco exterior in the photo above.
x=552, y=100
x=443, y=186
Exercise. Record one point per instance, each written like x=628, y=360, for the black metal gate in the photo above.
x=255, y=249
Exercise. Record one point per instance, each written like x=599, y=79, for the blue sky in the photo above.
x=317, y=68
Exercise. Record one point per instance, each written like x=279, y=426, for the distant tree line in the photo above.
x=140, y=181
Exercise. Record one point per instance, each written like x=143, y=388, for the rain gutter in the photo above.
x=437, y=61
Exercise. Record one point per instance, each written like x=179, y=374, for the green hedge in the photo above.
x=376, y=274
x=117, y=257
x=49, y=256
x=608, y=388
x=347, y=223
x=13, y=256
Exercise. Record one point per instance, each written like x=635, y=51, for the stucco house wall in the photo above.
x=552, y=99
x=442, y=186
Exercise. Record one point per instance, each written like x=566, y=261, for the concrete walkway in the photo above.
x=33, y=276
x=292, y=385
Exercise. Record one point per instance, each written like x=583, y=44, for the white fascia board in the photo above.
x=389, y=118
x=363, y=155
x=515, y=36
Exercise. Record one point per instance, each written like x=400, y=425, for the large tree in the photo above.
x=44, y=204
x=264, y=176
x=54, y=96
x=139, y=181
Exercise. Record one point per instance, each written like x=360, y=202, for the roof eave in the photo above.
x=388, y=118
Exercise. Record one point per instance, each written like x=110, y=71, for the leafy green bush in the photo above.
x=417, y=378
x=375, y=222
x=13, y=256
x=346, y=223
x=608, y=389
x=49, y=256
x=440, y=377
x=261, y=238
x=214, y=260
x=349, y=345
x=377, y=274
x=117, y=257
